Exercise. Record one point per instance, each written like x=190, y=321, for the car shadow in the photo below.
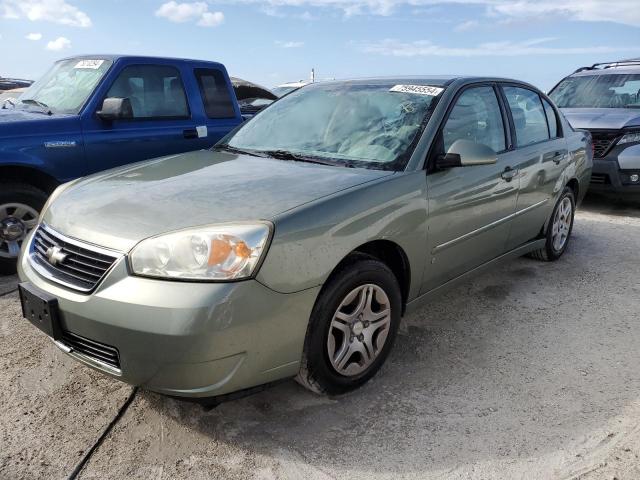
x=531, y=361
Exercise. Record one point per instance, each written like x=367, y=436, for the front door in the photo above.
x=163, y=122
x=470, y=208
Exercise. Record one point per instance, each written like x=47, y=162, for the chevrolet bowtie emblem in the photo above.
x=55, y=255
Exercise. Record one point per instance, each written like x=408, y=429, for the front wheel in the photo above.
x=559, y=229
x=20, y=205
x=352, y=328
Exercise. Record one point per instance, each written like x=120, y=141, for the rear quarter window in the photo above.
x=215, y=93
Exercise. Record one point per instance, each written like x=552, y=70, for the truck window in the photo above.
x=155, y=92
x=215, y=93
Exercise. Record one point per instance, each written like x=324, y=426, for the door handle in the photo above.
x=558, y=157
x=509, y=173
x=190, y=133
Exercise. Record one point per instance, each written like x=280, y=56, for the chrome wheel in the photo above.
x=562, y=224
x=359, y=329
x=16, y=220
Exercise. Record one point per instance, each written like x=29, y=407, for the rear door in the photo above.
x=217, y=100
x=470, y=207
x=164, y=119
x=540, y=154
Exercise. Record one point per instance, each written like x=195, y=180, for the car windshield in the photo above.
x=364, y=125
x=66, y=86
x=611, y=90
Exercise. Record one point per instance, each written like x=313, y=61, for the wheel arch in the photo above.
x=29, y=175
x=389, y=253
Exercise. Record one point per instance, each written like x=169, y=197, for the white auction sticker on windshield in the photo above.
x=92, y=64
x=418, y=89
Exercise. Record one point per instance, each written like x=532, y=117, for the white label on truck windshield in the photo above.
x=92, y=64
x=418, y=89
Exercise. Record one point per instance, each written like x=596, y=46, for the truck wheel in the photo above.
x=20, y=205
x=559, y=230
x=352, y=328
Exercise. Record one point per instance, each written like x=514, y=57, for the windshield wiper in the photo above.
x=242, y=151
x=287, y=155
x=38, y=103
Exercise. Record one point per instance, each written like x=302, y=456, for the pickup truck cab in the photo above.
x=92, y=113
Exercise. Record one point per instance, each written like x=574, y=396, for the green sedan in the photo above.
x=294, y=246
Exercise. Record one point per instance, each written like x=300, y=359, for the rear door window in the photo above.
x=155, y=92
x=528, y=114
x=552, y=119
x=215, y=93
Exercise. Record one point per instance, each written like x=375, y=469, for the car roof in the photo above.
x=140, y=58
x=435, y=80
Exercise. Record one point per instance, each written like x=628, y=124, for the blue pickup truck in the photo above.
x=91, y=113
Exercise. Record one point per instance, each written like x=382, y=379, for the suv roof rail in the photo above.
x=604, y=65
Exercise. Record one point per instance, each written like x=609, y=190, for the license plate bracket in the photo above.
x=41, y=309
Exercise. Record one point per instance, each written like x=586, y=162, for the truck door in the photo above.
x=164, y=121
x=217, y=99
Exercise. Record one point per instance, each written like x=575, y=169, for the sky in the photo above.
x=276, y=41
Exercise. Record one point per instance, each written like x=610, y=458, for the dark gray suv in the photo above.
x=605, y=100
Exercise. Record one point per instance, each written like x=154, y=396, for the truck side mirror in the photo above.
x=115, y=109
x=464, y=153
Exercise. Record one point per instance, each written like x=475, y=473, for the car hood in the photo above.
x=17, y=122
x=602, y=118
x=118, y=208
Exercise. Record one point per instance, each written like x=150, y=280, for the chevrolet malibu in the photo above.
x=295, y=245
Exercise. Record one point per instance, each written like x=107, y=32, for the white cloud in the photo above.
x=60, y=43
x=289, y=44
x=425, y=48
x=34, y=37
x=468, y=25
x=190, y=12
x=211, y=19
x=617, y=11
x=56, y=11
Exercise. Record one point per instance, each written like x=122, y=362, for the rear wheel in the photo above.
x=20, y=205
x=559, y=229
x=352, y=327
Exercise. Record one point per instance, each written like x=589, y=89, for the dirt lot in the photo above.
x=530, y=371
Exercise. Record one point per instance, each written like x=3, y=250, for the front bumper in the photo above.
x=612, y=172
x=184, y=338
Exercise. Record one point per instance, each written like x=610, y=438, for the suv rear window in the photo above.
x=609, y=90
x=215, y=93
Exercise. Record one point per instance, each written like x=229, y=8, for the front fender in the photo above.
x=310, y=241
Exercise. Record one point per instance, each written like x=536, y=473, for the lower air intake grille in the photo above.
x=600, y=179
x=90, y=348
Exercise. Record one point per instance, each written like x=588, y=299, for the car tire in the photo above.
x=30, y=200
x=345, y=319
x=559, y=229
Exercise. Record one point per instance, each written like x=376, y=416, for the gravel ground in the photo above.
x=527, y=372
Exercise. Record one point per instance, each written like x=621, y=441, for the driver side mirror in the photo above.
x=464, y=153
x=115, y=109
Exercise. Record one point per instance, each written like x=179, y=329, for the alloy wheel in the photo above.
x=359, y=329
x=562, y=224
x=16, y=220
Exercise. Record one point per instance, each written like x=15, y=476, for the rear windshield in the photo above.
x=598, y=91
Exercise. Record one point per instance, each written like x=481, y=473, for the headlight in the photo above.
x=216, y=252
x=631, y=137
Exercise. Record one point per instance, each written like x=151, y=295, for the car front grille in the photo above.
x=603, y=140
x=92, y=349
x=73, y=264
x=600, y=179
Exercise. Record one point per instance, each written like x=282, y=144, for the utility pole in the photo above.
x=313, y=75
